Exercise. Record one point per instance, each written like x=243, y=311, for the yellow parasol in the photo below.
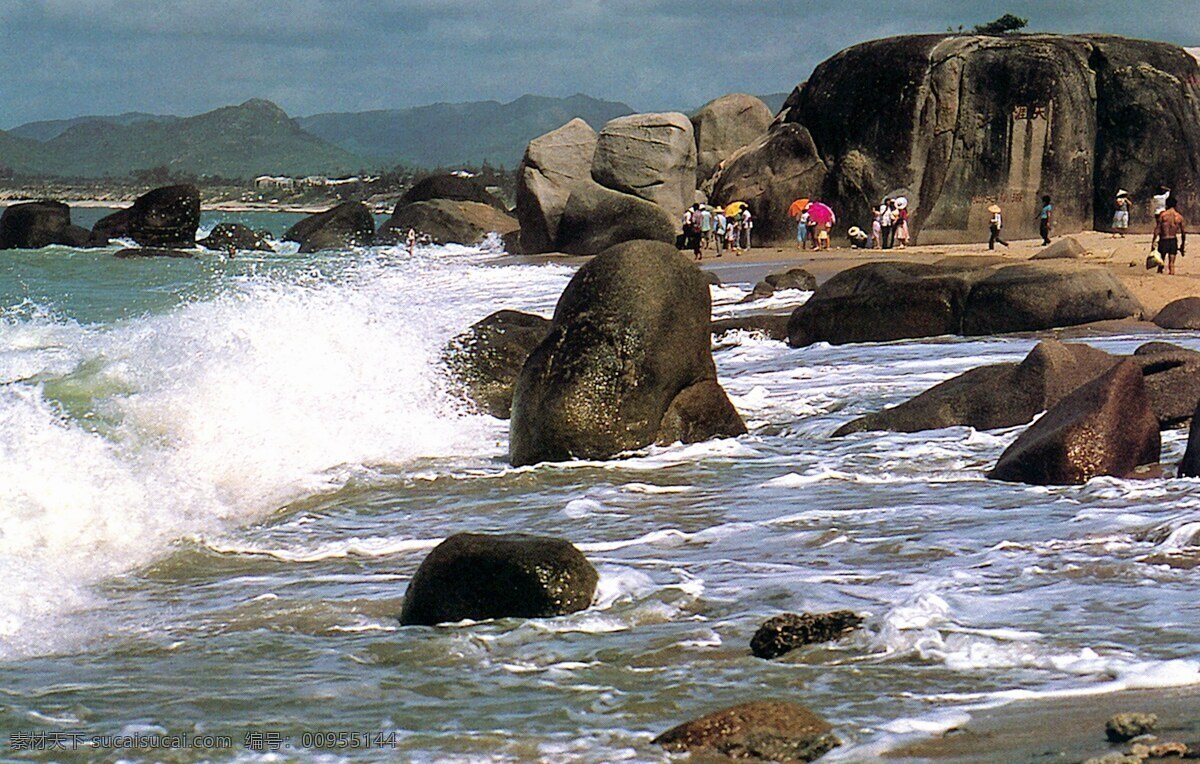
x=735, y=208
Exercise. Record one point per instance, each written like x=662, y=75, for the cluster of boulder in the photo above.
x=581, y=192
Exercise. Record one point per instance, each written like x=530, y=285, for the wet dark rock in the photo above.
x=236, y=237
x=445, y=221
x=771, y=325
x=1173, y=383
x=765, y=730
x=1157, y=346
x=1180, y=314
x=596, y=218
x=450, y=187
x=630, y=333
x=994, y=396
x=1190, y=466
x=783, y=633
x=1127, y=726
x=481, y=576
x=699, y=412
x=349, y=224
x=792, y=278
x=131, y=252
x=163, y=217
x=761, y=291
x=486, y=360
x=1105, y=427
x=33, y=225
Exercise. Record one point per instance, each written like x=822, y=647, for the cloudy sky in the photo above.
x=64, y=58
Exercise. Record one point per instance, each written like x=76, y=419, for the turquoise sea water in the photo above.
x=217, y=476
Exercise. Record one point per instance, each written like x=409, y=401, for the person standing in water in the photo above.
x=411, y=240
x=996, y=223
x=1045, y=220
x=1171, y=235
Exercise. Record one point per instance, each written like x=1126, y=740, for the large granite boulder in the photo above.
x=1035, y=296
x=236, y=237
x=350, y=224
x=652, y=156
x=596, y=218
x=1183, y=313
x=958, y=122
x=769, y=175
x=765, y=730
x=450, y=186
x=481, y=576
x=724, y=125
x=1172, y=377
x=163, y=217
x=553, y=165
x=1190, y=466
x=446, y=222
x=33, y=225
x=1105, y=427
x=630, y=334
x=995, y=396
x=883, y=301
x=486, y=360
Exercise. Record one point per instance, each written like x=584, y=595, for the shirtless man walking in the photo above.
x=1170, y=234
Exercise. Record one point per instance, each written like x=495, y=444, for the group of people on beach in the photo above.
x=716, y=228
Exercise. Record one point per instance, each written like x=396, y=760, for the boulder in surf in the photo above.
x=480, y=576
x=486, y=360
x=349, y=224
x=764, y=730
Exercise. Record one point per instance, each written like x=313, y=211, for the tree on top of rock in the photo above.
x=1003, y=25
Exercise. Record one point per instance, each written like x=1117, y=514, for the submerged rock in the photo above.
x=486, y=359
x=1105, y=427
x=1127, y=726
x=765, y=730
x=995, y=396
x=131, y=252
x=480, y=576
x=349, y=224
x=783, y=633
x=631, y=332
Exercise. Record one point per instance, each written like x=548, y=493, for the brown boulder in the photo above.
x=163, y=217
x=349, y=224
x=1172, y=381
x=553, y=164
x=652, y=156
x=1105, y=427
x=785, y=632
x=769, y=175
x=33, y=225
x=995, y=396
x=233, y=237
x=1066, y=248
x=1190, y=466
x=1183, y=313
x=486, y=360
x=765, y=730
x=700, y=412
x=597, y=218
x=445, y=221
x=449, y=186
x=724, y=125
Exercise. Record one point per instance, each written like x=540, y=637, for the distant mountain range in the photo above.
x=259, y=138
x=447, y=134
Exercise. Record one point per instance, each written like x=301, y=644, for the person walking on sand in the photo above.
x=747, y=224
x=1171, y=235
x=997, y=222
x=1120, y=222
x=1045, y=220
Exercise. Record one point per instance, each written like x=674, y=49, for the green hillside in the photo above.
x=45, y=130
x=254, y=138
x=454, y=134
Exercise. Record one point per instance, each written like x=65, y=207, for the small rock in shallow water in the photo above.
x=762, y=730
x=786, y=632
x=1127, y=726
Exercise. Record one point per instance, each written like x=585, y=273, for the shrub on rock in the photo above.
x=480, y=576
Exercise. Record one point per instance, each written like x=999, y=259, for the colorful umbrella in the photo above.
x=797, y=207
x=735, y=208
x=820, y=213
